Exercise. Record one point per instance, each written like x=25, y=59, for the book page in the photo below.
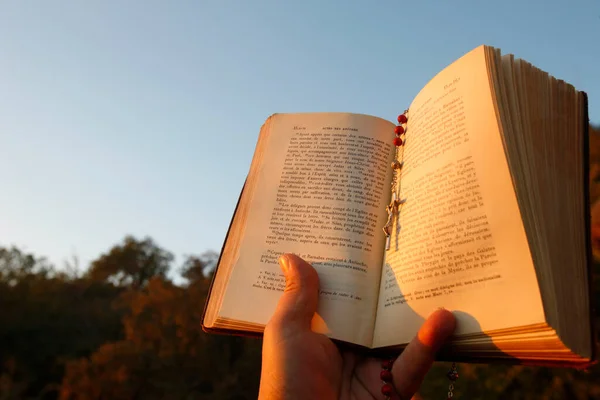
x=322, y=190
x=459, y=241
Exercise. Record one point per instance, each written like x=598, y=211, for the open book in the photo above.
x=492, y=220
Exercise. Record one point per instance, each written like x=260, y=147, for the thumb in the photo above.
x=298, y=303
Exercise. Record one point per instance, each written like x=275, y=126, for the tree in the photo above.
x=165, y=353
x=16, y=265
x=45, y=318
x=199, y=267
x=132, y=263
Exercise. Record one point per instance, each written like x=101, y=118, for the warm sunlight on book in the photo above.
x=493, y=224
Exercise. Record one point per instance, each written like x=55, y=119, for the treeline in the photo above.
x=122, y=329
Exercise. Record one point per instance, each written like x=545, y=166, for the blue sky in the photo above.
x=140, y=117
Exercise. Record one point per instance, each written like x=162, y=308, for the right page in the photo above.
x=458, y=241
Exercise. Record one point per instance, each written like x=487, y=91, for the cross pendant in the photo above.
x=392, y=210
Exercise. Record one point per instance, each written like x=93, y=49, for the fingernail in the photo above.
x=284, y=262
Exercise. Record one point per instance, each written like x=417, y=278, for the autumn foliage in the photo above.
x=123, y=330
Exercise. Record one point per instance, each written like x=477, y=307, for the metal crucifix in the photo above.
x=392, y=210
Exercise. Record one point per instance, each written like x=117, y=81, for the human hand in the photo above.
x=298, y=363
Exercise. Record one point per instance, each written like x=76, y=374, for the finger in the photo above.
x=298, y=303
x=411, y=367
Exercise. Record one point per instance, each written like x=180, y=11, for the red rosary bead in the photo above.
x=386, y=375
x=397, y=141
x=452, y=375
x=402, y=118
x=387, y=389
x=399, y=130
x=387, y=364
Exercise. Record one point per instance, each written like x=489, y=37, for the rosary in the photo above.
x=386, y=378
x=393, y=211
x=393, y=207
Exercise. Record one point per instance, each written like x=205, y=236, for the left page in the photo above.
x=321, y=194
